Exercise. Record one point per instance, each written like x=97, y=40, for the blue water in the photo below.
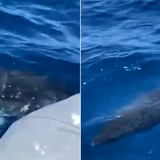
x=120, y=61
x=42, y=37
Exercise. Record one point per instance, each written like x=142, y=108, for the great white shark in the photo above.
x=22, y=92
x=142, y=116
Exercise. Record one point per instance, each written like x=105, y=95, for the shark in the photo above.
x=22, y=92
x=142, y=115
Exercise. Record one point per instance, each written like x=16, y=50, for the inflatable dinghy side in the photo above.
x=52, y=132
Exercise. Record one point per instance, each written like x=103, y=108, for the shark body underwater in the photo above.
x=142, y=116
x=23, y=92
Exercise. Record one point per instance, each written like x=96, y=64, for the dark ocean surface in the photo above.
x=42, y=37
x=120, y=61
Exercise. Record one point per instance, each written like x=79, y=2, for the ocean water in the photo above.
x=42, y=37
x=120, y=61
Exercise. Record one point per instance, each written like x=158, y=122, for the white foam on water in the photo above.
x=2, y=121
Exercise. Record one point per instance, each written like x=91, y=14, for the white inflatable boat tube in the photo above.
x=50, y=133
